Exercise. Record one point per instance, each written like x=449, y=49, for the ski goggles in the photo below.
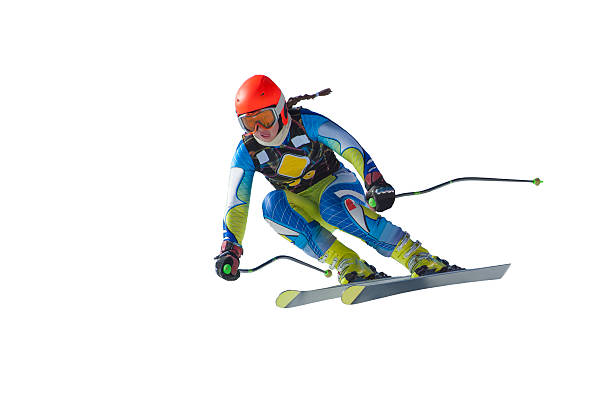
x=265, y=117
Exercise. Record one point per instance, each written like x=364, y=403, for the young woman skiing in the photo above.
x=294, y=148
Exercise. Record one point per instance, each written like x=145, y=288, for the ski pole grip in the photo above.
x=227, y=269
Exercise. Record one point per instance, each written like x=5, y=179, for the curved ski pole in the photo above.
x=326, y=273
x=536, y=181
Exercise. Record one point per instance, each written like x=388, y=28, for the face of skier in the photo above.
x=264, y=134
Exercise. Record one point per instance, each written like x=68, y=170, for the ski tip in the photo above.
x=351, y=293
x=284, y=299
x=506, y=267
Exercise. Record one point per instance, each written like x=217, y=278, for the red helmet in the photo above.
x=257, y=93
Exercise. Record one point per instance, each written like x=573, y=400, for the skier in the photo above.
x=294, y=148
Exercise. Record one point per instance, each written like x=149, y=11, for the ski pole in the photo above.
x=536, y=181
x=326, y=273
x=372, y=202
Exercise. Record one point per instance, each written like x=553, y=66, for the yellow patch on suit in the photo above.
x=306, y=203
x=305, y=207
x=310, y=200
x=235, y=221
x=309, y=174
x=370, y=213
x=355, y=157
x=292, y=165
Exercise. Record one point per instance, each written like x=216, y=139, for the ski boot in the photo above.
x=418, y=260
x=350, y=267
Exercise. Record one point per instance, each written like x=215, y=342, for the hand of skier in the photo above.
x=228, y=261
x=380, y=195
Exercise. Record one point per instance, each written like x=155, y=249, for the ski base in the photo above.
x=358, y=293
x=295, y=298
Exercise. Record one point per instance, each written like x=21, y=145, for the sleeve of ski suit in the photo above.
x=238, y=195
x=321, y=129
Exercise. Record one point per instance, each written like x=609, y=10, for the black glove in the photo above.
x=228, y=261
x=380, y=195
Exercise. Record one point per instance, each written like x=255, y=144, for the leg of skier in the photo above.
x=342, y=205
x=297, y=219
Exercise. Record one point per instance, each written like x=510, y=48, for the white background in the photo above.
x=117, y=129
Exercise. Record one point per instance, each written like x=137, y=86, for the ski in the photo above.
x=295, y=298
x=358, y=293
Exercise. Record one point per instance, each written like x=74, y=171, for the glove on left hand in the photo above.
x=380, y=195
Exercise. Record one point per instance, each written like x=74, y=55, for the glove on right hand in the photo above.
x=228, y=261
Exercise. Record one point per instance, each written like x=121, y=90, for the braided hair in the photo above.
x=292, y=101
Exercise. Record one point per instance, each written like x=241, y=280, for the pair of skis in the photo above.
x=370, y=290
x=363, y=291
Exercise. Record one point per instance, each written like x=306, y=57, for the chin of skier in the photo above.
x=295, y=149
